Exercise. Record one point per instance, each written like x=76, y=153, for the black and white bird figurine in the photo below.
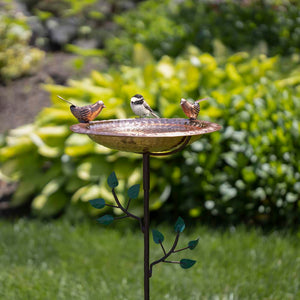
x=140, y=107
x=191, y=110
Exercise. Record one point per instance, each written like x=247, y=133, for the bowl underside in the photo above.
x=143, y=135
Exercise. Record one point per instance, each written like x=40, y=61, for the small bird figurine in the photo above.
x=85, y=114
x=140, y=107
x=191, y=110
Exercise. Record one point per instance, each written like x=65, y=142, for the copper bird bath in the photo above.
x=156, y=137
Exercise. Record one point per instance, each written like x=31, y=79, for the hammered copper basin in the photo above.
x=144, y=135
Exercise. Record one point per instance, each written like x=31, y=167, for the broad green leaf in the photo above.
x=53, y=131
x=45, y=206
x=22, y=145
x=133, y=191
x=101, y=79
x=187, y=263
x=79, y=145
x=53, y=185
x=24, y=191
x=158, y=237
x=93, y=167
x=192, y=244
x=50, y=152
x=98, y=203
x=106, y=219
x=112, y=180
x=179, y=226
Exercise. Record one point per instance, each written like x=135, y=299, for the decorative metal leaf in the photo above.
x=158, y=237
x=133, y=191
x=187, y=263
x=106, y=219
x=179, y=226
x=192, y=244
x=112, y=180
x=97, y=203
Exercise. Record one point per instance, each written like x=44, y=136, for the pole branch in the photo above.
x=125, y=210
x=172, y=261
x=110, y=205
x=122, y=217
x=128, y=203
x=162, y=246
x=166, y=255
x=181, y=249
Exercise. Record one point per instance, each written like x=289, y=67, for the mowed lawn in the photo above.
x=58, y=260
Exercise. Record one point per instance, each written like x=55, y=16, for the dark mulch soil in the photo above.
x=22, y=99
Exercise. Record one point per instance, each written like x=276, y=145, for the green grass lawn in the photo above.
x=58, y=260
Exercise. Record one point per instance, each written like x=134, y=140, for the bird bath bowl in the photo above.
x=156, y=137
x=145, y=135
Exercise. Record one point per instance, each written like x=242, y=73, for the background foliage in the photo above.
x=248, y=172
x=75, y=25
x=17, y=58
x=167, y=27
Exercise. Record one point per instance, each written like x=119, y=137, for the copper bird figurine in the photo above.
x=191, y=110
x=87, y=113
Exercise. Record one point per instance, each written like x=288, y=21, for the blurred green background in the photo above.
x=243, y=55
x=245, y=179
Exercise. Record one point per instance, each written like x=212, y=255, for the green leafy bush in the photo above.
x=249, y=172
x=167, y=27
x=83, y=24
x=17, y=58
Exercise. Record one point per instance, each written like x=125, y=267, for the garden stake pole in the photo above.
x=170, y=136
x=146, y=187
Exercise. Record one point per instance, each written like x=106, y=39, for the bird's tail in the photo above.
x=64, y=100
x=201, y=100
x=154, y=115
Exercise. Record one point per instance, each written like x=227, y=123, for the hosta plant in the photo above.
x=249, y=172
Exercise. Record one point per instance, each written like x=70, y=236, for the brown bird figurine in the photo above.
x=85, y=114
x=191, y=110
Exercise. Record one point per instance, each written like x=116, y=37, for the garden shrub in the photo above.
x=167, y=27
x=84, y=24
x=248, y=172
x=17, y=58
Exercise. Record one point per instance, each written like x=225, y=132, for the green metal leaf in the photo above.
x=192, y=244
x=187, y=263
x=179, y=226
x=158, y=237
x=112, y=180
x=133, y=191
x=97, y=203
x=106, y=219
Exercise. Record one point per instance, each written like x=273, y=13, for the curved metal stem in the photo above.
x=184, y=141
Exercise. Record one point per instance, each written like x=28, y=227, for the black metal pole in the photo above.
x=146, y=187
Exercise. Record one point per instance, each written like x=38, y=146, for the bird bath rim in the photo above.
x=142, y=135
